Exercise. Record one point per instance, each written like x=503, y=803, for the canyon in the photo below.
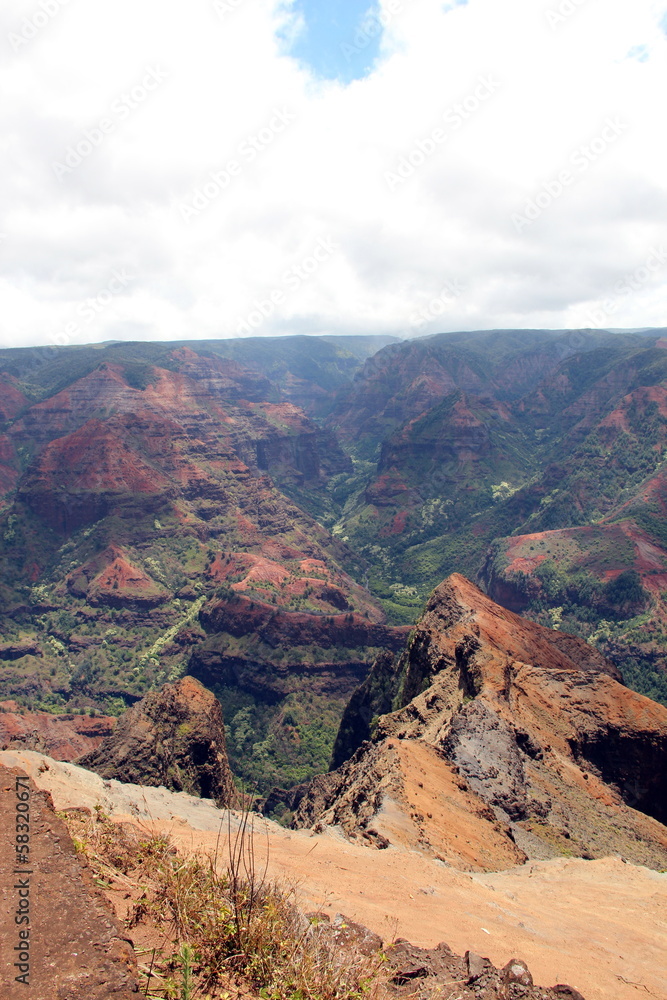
x=270, y=515
x=407, y=598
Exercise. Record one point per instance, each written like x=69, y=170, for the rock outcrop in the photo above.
x=403, y=793
x=532, y=724
x=279, y=629
x=58, y=938
x=174, y=737
x=422, y=973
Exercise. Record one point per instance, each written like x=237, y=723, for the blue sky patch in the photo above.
x=639, y=52
x=338, y=41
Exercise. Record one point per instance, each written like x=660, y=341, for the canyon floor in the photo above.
x=600, y=926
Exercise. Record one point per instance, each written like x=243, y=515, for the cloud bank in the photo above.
x=176, y=171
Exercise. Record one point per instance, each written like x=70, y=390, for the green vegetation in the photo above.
x=458, y=444
x=639, y=673
x=579, y=589
x=280, y=743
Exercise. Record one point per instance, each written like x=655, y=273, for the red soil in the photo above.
x=12, y=400
x=63, y=737
x=110, y=577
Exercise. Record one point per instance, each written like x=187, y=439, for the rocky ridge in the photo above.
x=538, y=914
x=532, y=724
x=72, y=922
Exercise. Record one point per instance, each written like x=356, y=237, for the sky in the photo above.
x=267, y=167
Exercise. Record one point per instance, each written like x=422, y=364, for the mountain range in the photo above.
x=271, y=514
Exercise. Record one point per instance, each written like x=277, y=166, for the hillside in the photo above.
x=504, y=741
x=141, y=482
x=540, y=912
x=270, y=515
x=468, y=450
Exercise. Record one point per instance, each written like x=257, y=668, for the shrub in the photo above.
x=626, y=592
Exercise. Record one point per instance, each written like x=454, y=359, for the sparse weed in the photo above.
x=223, y=920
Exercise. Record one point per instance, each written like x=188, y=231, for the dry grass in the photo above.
x=220, y=920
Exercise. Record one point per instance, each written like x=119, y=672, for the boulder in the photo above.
x=174, y=737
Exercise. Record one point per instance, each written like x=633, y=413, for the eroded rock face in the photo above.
x=173, y=737
x=484, y=747
x=280, y=629
x=101, y=442
x=63, y=737
x=70, y=947
x=403, y=793
x=111, y=579
x=536, y=725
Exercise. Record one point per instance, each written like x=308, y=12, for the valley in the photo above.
x=405, y=599
x=270, y=515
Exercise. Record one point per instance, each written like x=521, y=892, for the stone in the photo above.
x=477, y=966
x=517, y=971
x=348, y=934
x=174, y=737
x=52, y=918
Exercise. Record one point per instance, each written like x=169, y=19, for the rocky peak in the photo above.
x=174, y=737
x=535, y=723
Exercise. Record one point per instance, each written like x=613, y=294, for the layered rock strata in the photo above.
x=531, y=723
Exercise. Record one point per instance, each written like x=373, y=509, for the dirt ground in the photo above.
x=600, y=926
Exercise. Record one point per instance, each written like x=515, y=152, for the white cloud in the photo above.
x=226, y=87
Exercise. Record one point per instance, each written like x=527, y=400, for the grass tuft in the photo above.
x=221, y=921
